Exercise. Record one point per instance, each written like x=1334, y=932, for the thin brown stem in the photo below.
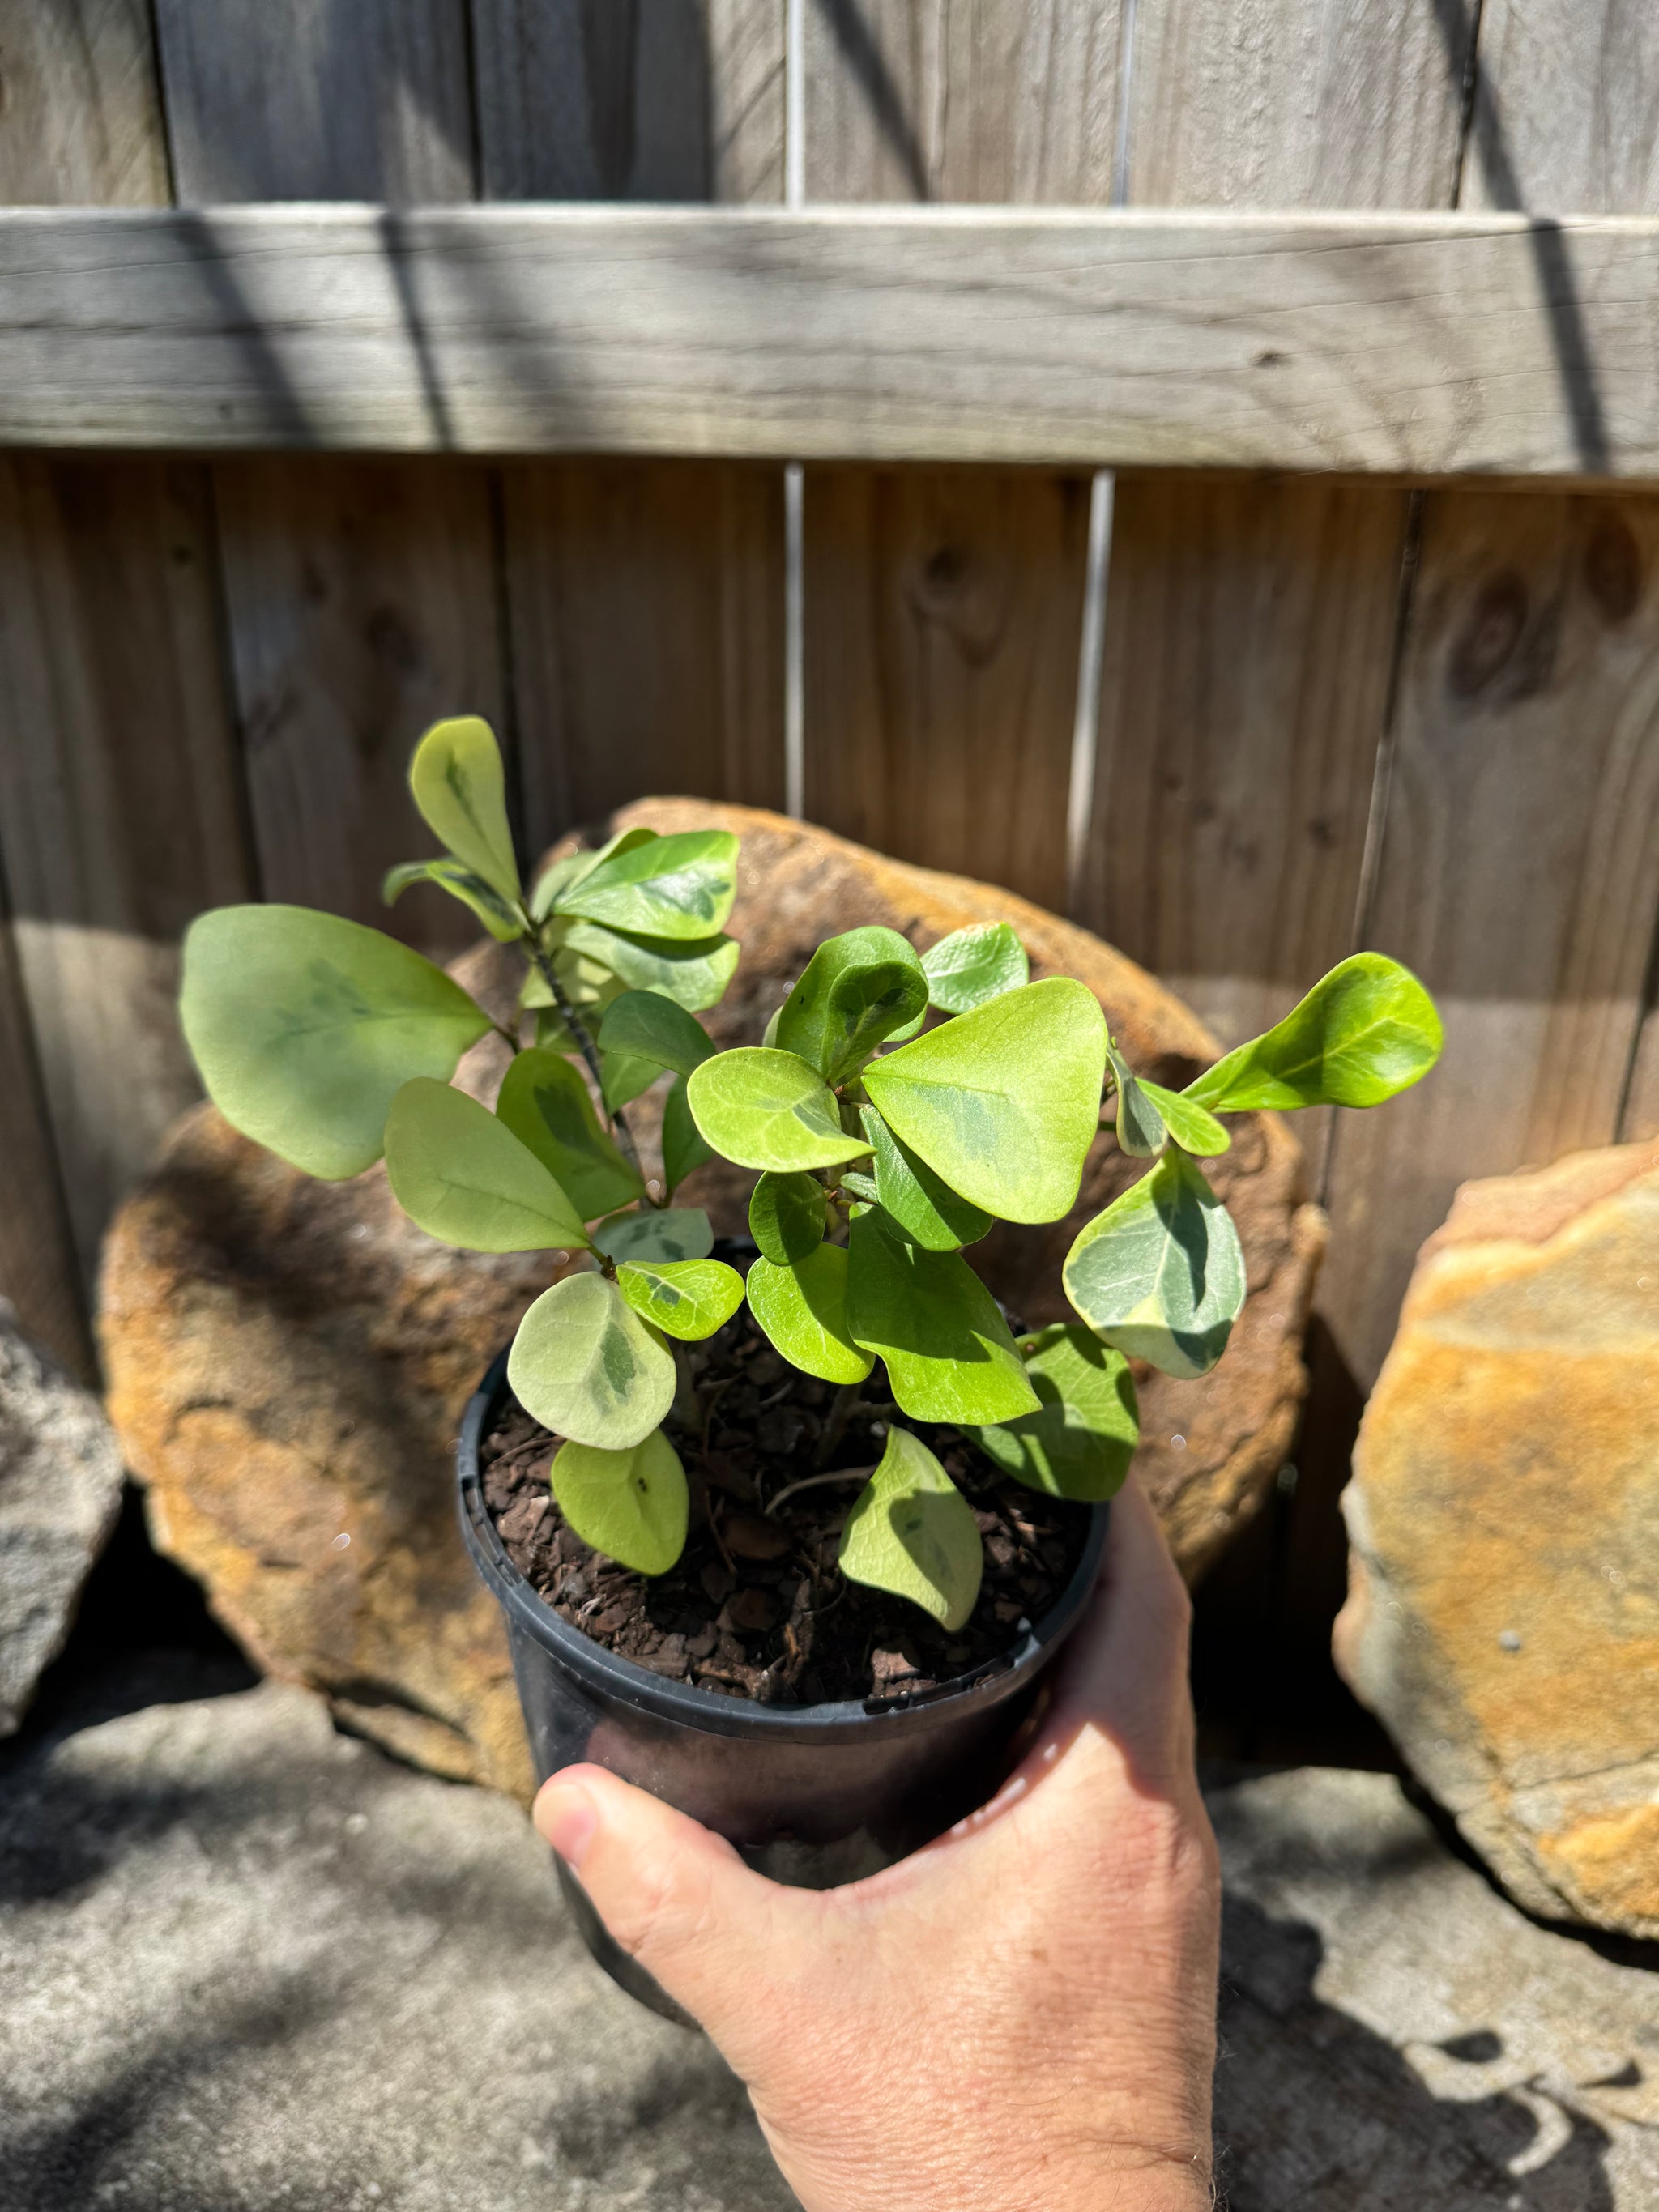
x=813, y=1481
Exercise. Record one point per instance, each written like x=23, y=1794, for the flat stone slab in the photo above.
x=251, y=1966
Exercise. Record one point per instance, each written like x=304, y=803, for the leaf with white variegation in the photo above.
x=1140, y=1126
x=1364, y=1032
x=501, y=920
x=687, y=1298
x=545, y=1103
x=912, y=1533
x=1160, y=1273
x=763, y=1108
x=304, y=1028
x=674, y=1232
x=586, y=1366
x=974, y=964
x=679, y=887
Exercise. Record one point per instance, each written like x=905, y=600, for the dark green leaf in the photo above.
x=688, y=1298
x=679, y=887
x=306, y=1027
x=1365, y=1031
x=855, y=990
x=500, y=920
x=683, y=1146
x=1080, y=1443
x=974, y=964
x=544, y=1103
x=675, y=1232
x=631, y=1505
x=787, y=1216
x=1003, y=1103
x=462, y=1175
x=456, y=778
x=1160, y=1273
x=924, y=1206
x=622, y=1079
x=647, y=1026
x=586, y=1366
x=911, y=1532
x=949, y=1354
x=803, y=1311
x=766, y=1108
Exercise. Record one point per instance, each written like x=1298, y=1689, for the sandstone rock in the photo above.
x=1395, y=2036
x=1503, y=1613
x=60, y=1490
x=287, y=1360
x=249, y=1963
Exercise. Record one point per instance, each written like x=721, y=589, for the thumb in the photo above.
x=674, y=1896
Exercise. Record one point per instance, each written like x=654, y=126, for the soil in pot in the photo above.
x=755, y=1606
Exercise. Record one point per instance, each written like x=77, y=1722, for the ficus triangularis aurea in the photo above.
x=883, y=1147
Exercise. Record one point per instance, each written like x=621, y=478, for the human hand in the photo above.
x=1020, y=2016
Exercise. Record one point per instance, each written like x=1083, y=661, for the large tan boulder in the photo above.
x=1504, y=1611
x=288, y=1359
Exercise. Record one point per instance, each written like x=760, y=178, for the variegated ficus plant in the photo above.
x=897, y=1105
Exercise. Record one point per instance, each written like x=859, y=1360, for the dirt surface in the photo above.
x=757, y=1607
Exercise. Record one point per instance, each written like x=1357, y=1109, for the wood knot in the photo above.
x=1612, y=568
x=1489, y=636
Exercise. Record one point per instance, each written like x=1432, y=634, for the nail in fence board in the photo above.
x=647, y=602
x=645, y=598
x=943, y=606
x=1519, y=868
x=81, y=119
x=631, y=100
x=120, y=812
x=364, y=609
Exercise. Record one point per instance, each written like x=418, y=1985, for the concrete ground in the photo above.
x=249, y=1965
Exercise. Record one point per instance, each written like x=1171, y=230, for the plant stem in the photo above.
x=578, y=1029
x=834, y=1427
x=813, y=1481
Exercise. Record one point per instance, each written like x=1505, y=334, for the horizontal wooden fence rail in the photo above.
x=1427, y=345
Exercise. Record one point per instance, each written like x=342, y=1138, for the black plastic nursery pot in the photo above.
x=810, y=1794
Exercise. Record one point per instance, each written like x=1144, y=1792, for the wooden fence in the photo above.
x=1360, y=645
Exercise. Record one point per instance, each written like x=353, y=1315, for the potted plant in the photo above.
x=785, y=1531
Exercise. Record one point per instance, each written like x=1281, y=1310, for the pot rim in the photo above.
x=683, y=1702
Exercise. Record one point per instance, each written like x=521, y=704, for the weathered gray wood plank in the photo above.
x=1566, y=107
x=1403, y=343
x=38, y=1274
x=1011, y=100
x=120, y=812
x=80, y=117
x=333, y=100
x=631, y=100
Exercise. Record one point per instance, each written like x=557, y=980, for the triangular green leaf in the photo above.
x=1194, y=1127
x=645, y=1026
x=631, y=1505
x=693, y=973
x=1004, y=1102
x=679, y=887
x=688, y=1298
x=788, y=1217
x=855, y=990
x=949, y=1353
x=1365, y=1031
x=924, y=1206
x=803, y=1311
x=545, y=1103
x=306, y=1027
x=456, y=777
x=1139, y=1125
x=673, y=1232
x=683, y=1146
x=974, y=964
x=1080, y=1445
x=586, y=1366
x=1160, y=1273
x=561, y=875
x=462, y=1175
x=766, y=1108
x=501, y=920
x=913, y=1532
